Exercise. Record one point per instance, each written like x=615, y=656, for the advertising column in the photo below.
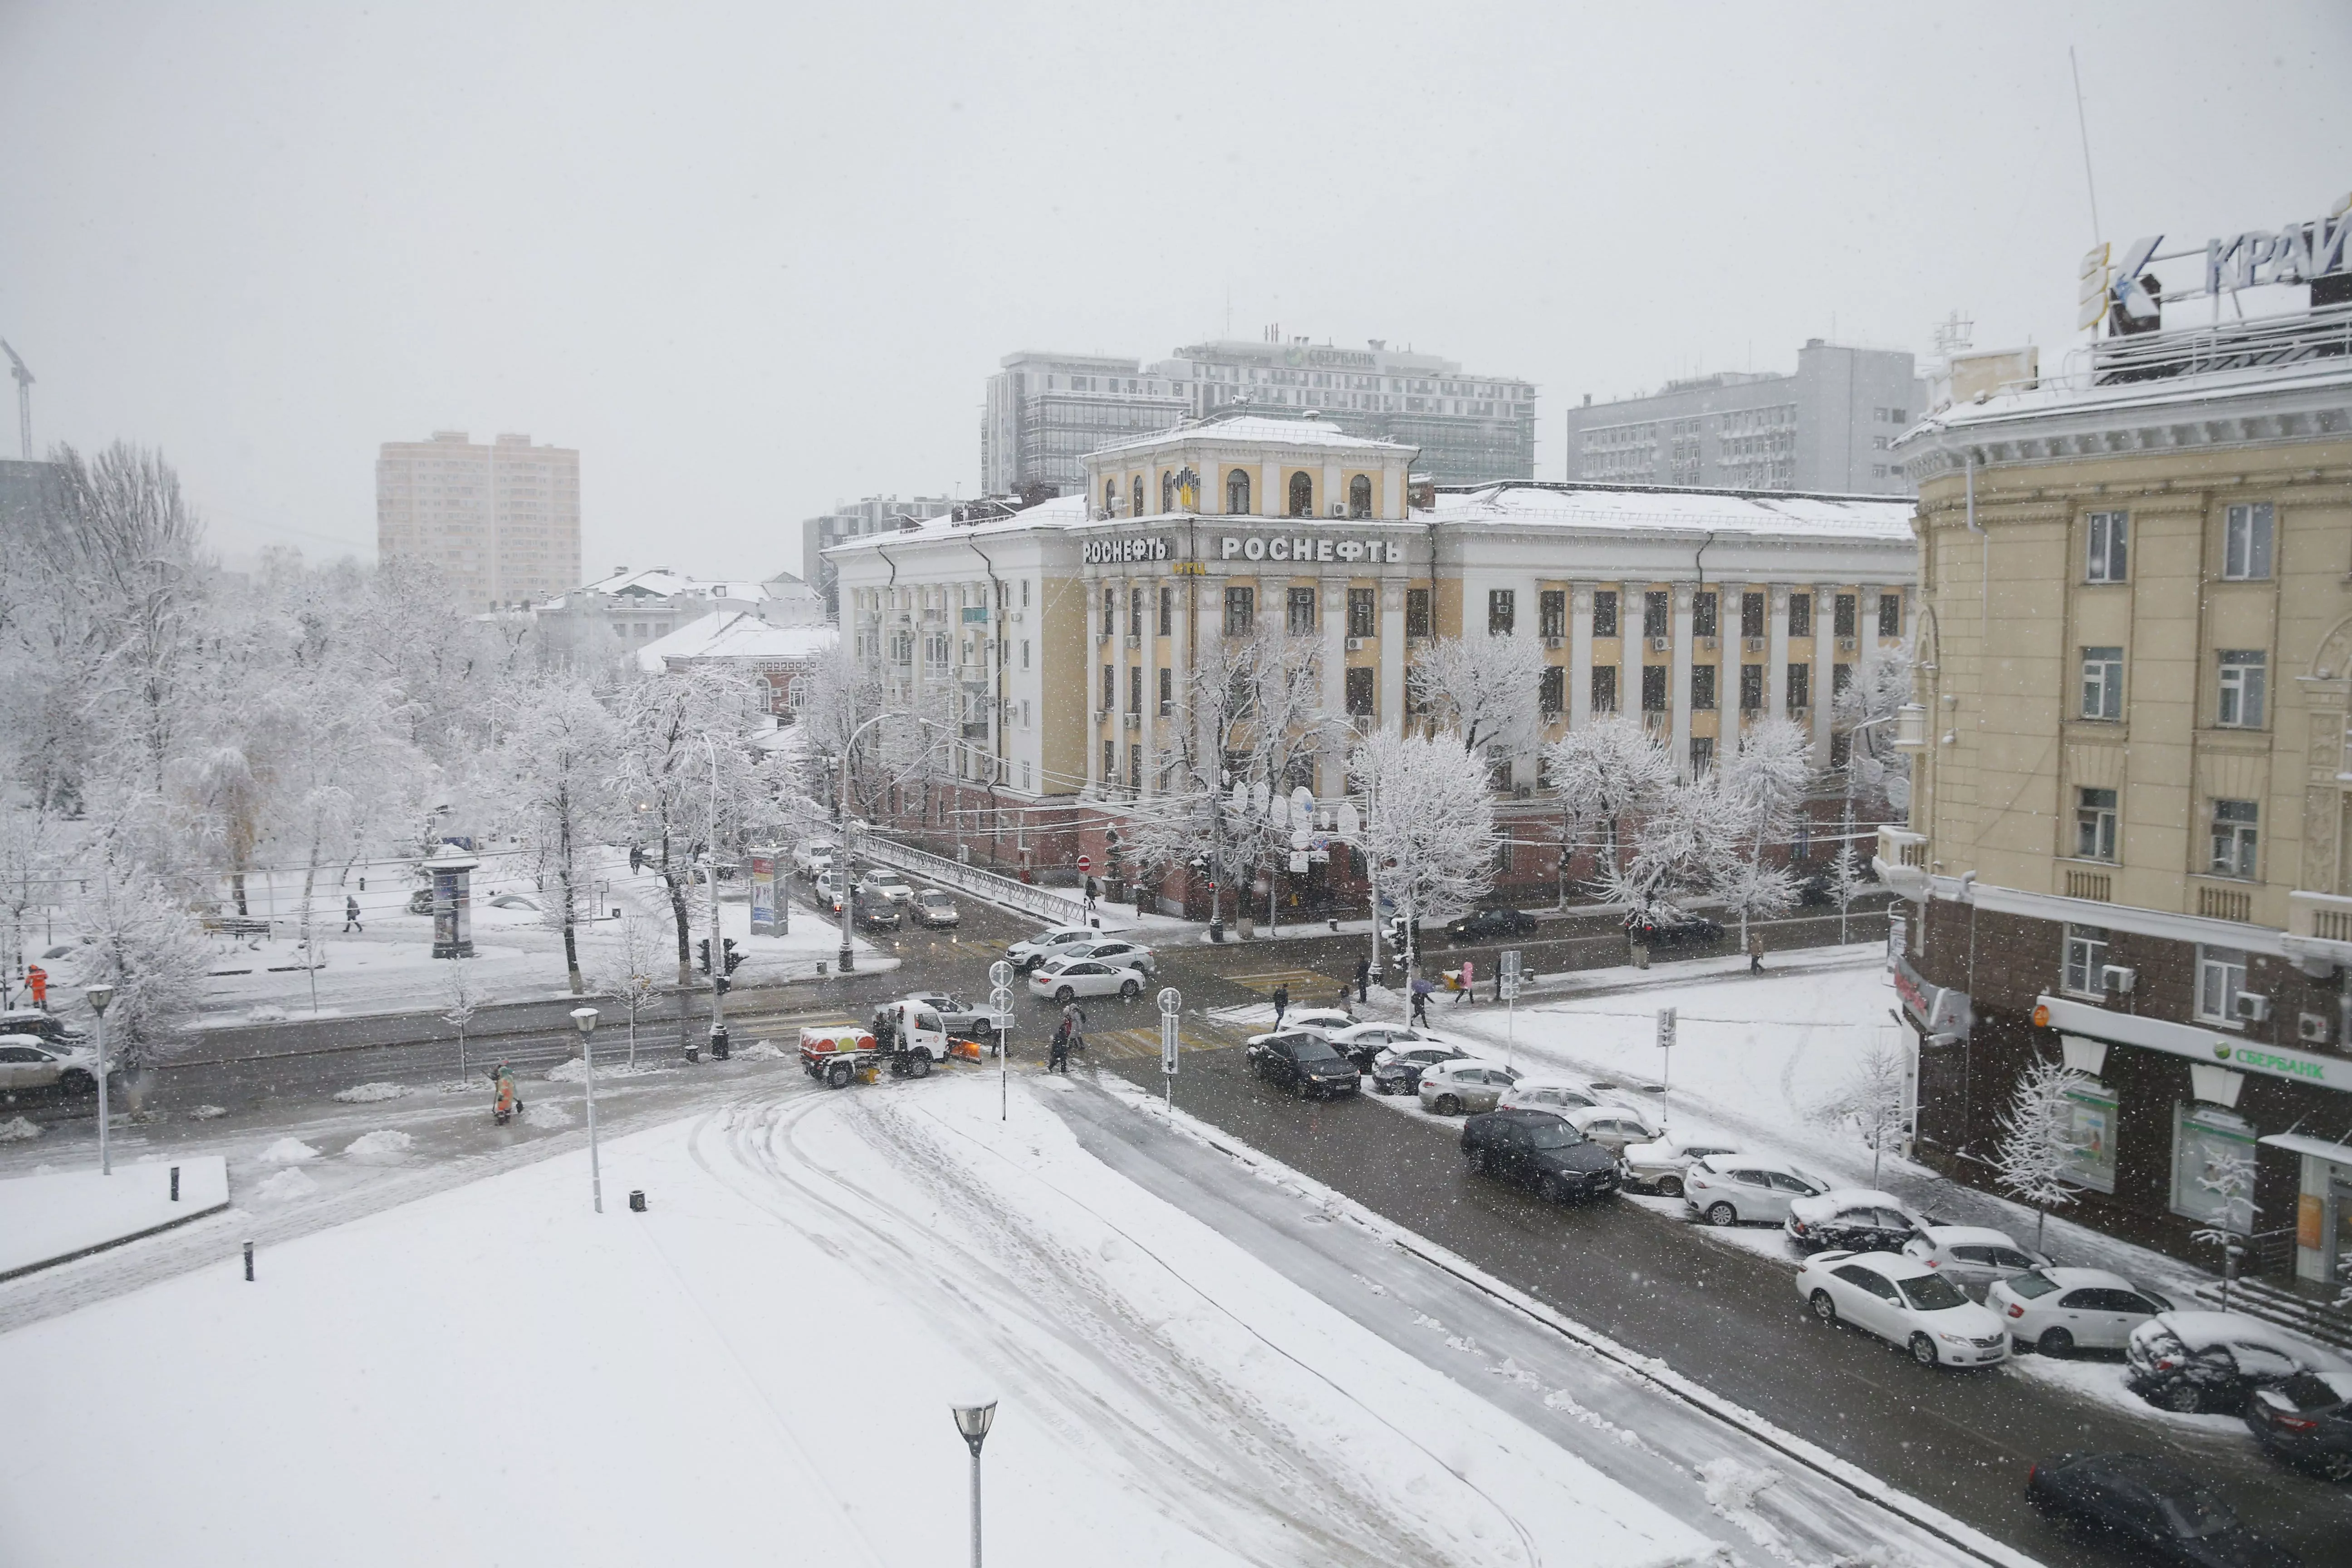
x=451, y=871
x=766, y=917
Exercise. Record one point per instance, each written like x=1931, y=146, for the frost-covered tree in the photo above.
x=30, y=851
x=139, y=937
x=1429, y=825
x=1881, y=775
x=2227, y=1178
x=845, y=691
x=558, y=761
x=461, y=999
x=2034, y=1157
x=1607, y=771
x=1482, y=688
x=1846, y=877
x=1870, y=1101
x=1757, y=793
x=624, y=970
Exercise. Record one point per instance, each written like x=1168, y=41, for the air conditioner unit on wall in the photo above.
x=1660, y=645
x=1706, y=645
x=1555, y=643
x=1754, y=645
x=1355, y=645
x=2312, y=1028
x=2251, y=1008
x=2115, y=978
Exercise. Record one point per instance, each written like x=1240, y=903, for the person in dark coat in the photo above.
x=352, y=915
x=1281, y=1004
x=1421, y=989
x=1057, y=1053
x=1363, y=979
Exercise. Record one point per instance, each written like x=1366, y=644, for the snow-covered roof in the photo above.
x=1645, y=510
x=661, y=583
x=737, y=634
x=1253, y=430
x=2056, y=395
x=1062, y=511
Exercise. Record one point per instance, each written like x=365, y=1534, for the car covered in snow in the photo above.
x=1658, y=1166
x=1398, y=1068
x=40, y=1025
x=1066, y=979
x=1746, y=1189
x=1304, y=1064
x=1617, y=1127
x=2151, y=1507
x=1904, y=1302
x=1557, y=1095
x=1323, y=1022
x=1032, y=950
x=29, y=1065
x=2060, y=1310
x=1450, y=1088
x=524, y=902
x=1533, y=1149
x=2214, y=1360
x=1857, y=1219
x=1364, y=1043
x=1972, y=1254
x=2306, y=1421
x=933, y=907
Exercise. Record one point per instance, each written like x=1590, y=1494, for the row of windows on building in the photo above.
x=2241, y=687
x=1551, y=613
x=2248, y=544
x=1299, y=499
x=2234, y=825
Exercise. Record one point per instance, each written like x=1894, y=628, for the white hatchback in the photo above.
x=1904, y=1302
x=2060, y=1310
x=1974, y=1256
x=1746, y=1189
x=1450, y=1089
x=1029, y=951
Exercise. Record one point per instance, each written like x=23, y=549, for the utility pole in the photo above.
x=24, y=399
x=719, y=1048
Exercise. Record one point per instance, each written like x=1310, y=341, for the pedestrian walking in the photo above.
x=37, y=980
x=1421, y=989
x=1754, y=952
x=1281, y=1004
x=352, y=916
x=1345, y=1001
x=1363, y=979
x=1462, y=990
x=1057, y=1053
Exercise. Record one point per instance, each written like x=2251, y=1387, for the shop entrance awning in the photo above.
x=2318, y=1148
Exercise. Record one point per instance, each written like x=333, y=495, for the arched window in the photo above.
x=1167, y=492
x=1302, y=496
x=1359, y=496
x=1110, y=497
x=1237, y=492
x=1138, y=495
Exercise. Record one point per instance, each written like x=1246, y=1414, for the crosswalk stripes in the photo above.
x=1302, y=983
x=1141, y=1044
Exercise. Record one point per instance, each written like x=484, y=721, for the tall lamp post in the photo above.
x=719, y=1048
x=585, y=1018
x=100, y=996
x=973, y=1421
x=848, y=959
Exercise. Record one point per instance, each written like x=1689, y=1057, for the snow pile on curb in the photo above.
x=367, y=1093
x=285, y=1187
x=539, y=1113
x=763, y=1051
x=206, y=1112
x=382, y=1147
x=17, y=1131
x=288, y=1152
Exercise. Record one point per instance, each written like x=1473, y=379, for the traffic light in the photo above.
x=702, y=955
x=722, y=984
x=727, y=951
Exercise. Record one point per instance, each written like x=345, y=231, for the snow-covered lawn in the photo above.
x=762, y=1364
x=61, y=1213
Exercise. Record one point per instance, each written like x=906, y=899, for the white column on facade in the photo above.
x=1391, y=687
x=1092, y=673
x=1633, y=634
x=1333, y=782
x=1824, y=675
x=1775, y=648
x=1116, y=654
x=1866, y=632
x=1155, y=651
x=1333, y=501
x=1269, y=475
x=1678, y=683
x=1580, y=654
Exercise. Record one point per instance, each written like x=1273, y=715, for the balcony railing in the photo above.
x=2321, y=334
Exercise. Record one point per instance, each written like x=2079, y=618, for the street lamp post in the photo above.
x=100, y=996
x=848, y=959
x=585, y=1018
x=973, y=1421
x=719, y=1050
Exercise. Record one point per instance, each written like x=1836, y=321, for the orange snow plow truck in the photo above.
x=906, y=1038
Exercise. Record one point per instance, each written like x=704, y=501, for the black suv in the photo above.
x=1536, y=1149
x=1303, y=1065
x=2307, y=1421
x=1482, y=925
x=2149, y=1507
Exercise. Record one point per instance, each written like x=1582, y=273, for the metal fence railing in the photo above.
x=1025, y=896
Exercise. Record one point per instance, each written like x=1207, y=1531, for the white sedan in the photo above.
x=1452, y=1089
x=1067, y=979
x=1659, y=1167
x=1973, y=1255
x=1746, y=1189
x=891, y=885
x=1115, y=951
x=1904, y=1302
x=2060, y=1310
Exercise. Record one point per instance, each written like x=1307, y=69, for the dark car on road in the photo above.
x=1302, y=1064
x=2150, y=1510
x=1536, y=1149
x=1486, y=925
x=2307, y=1421
x=1656, y=930
x=877, y=912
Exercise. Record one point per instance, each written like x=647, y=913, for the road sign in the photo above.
x=1085, y=864
x=1665, y=1029
x=1509, y=974
x=1171, y=1004
x=999, y=975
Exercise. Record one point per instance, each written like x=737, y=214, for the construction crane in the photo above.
x=24, y=398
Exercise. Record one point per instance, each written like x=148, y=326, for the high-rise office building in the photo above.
x=1046, y=412
x=852, y=519
x=503, y=521
x=1827, y=428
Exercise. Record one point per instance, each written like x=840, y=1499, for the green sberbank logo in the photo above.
x=2222, y=1049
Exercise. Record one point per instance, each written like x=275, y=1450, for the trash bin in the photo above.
x=719, y=1047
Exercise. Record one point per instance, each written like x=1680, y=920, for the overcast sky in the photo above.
x=749, y=260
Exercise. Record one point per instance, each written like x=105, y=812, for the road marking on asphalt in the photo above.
x=1264, y=984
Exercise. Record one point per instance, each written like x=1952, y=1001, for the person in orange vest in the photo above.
x=37, y=980
x=509, y=1103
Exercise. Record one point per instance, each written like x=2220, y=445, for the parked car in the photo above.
x=1398, y=1069
x=1066, y=979
x=1746, y=1189
x=2306, y=1421
x=1654, y=932
x=934, y=907
x=965, y=1022
x=1452, y=1088
x=28, y=1064
x=2150, y=1508
x=1658, y=1167
x=1619, y=1127
x=1557, y=1095
x=1301, y=1063
x=1974, y=1257
x=1364, y=1043
x=1858, y=1219
x=1904, y=1302
x=2214, y=1360
x=1029, y=951
x=40, y=1025
x=1486, y=925
x=1325, y=1021
x=1535, y=1149
x=1117, y=950
x=2060, y=1310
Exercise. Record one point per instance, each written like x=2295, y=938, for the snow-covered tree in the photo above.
x=1757, y=792
x=2227, y=1178
x=140, y=938
x=1881, y=775
x=2034, y=1157
x=1870, y=1101
x=845, y=691
x=1429, y=825
x=461, y=999
x=624, y=970
x=1482, y=688
x=1607, y=771
x=558, y=761
x=1847, y=877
